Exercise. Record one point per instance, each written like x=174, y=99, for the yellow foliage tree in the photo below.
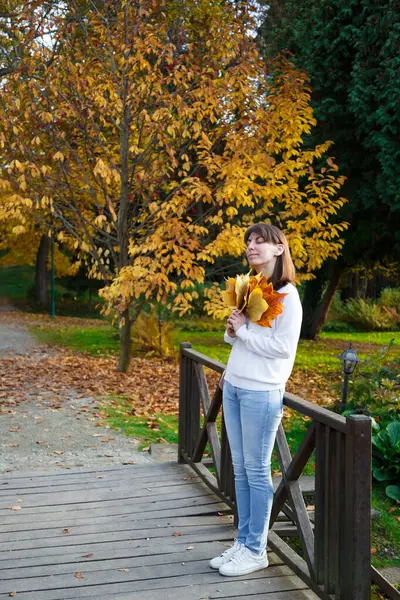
x=155, y=140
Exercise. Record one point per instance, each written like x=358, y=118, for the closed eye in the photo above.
x=259, y=240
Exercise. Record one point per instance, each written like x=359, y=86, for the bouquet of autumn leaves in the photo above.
x=254, y=296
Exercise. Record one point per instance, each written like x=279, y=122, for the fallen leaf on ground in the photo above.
x=79, y=575
x=12, y=594
x=66, y=530
x=88, y=555
x=99, y=476
x=123, y=570
x=190, y=548
x=177, y=533
x=14, y=507
x=58, y=451
x=19, y=500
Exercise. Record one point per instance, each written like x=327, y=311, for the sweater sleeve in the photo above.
x=283, y=342
x=228, y=339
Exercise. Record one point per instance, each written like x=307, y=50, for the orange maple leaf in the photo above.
x=272, y=298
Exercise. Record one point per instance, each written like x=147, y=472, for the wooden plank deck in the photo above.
x=140, y=532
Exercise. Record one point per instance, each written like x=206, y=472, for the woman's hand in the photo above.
x=236, y=320
x=230, y=331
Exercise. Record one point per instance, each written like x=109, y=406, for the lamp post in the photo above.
x=52, y=295
x=349, y=360
x=52, y=276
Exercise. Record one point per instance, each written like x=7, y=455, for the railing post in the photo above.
x=357, y=553
x=183, y=401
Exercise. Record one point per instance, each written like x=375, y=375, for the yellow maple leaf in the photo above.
x=256, y=305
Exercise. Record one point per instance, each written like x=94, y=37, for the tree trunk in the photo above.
x=125, y=342
x=318, y=298
x=41, y=273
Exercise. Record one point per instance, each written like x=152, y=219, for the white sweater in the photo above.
x=261, y=357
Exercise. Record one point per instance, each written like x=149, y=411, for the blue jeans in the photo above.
x=252, y=419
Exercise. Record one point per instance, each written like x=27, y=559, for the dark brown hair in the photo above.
x=284, y=271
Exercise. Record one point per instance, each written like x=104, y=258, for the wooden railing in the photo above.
x=335, y=538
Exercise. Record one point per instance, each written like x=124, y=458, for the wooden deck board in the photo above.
x=143, y=532
x=92, y=482
x=145, y=509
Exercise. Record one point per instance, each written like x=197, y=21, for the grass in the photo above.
x=385, y=531
x=148, y=430
x=15, y=282
x=372, y=337
x=101, y=340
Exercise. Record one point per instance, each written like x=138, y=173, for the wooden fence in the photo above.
x=335, y=537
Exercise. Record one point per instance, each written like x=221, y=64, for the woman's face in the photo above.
x=260, y=253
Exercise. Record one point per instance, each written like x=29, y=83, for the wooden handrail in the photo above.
x=336, y=542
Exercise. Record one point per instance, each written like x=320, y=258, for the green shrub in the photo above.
x=390, y=302
x=386, y=457
x=390, y=298
x=366, y=315
x=61, y=293
x=338, y=326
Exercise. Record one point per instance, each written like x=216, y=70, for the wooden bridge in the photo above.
x=147, y=532
x=143, y=532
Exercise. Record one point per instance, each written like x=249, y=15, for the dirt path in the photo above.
x=46, y=430
x=15, y=340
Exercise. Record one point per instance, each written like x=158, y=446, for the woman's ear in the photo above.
x=279, y=249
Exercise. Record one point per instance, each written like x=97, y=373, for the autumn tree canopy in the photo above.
x=155, y=139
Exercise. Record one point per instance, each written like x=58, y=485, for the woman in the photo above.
x=259, y=365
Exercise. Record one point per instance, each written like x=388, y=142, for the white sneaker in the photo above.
x=243, y=563
x=218, y=561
